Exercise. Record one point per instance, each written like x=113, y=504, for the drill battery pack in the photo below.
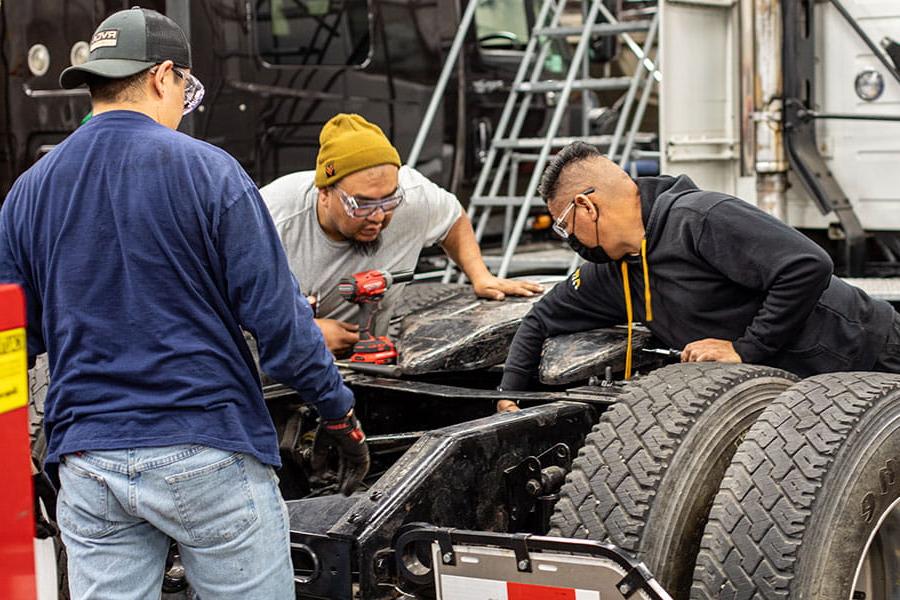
x=378, y=351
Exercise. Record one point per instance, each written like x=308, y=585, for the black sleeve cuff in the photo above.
x=515, y=381
x=749, y=352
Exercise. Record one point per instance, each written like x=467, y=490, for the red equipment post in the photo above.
x=17, y=581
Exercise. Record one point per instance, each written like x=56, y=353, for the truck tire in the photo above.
x=648, y=472
x=38, y=384
x=812, y=490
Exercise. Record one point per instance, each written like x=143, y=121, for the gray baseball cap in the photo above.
x=128, y=42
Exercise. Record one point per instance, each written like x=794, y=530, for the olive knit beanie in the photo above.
x=349, y=143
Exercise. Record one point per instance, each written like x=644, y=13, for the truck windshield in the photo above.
x=503, y=24
x=313, y=32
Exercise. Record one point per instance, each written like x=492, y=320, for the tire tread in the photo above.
x=769, y=492
x=610, y=489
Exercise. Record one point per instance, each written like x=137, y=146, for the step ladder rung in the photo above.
x=608, y=83
x=500, y=200
x=558, y=260
x=599, y=29
x=559, y=142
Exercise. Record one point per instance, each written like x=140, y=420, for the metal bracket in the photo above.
x=526, y=482
x=800, y=131
x=634, y=580
x=328, y=560
x=384, y=565
x=519, y=544
x=893, y=50
x=690, y=149
x=448, y=557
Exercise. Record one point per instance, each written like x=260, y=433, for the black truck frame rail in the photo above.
x=465, y=475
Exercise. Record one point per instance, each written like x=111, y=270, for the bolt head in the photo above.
x=523, y=564
x=447, y=557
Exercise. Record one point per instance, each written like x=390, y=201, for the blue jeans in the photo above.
x=117, y=510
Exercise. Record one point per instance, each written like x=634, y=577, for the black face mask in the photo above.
x=594, y=255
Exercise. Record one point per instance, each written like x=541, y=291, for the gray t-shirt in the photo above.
x=319, y=262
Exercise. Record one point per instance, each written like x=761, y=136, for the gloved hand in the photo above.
x=44, y=493
x=347, y=436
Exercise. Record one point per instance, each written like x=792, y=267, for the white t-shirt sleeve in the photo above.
x=443, y=208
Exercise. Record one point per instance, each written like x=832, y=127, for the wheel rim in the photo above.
x=878, y=571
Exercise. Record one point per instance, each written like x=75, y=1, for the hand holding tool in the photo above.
x=367, y=289
x=667, y=352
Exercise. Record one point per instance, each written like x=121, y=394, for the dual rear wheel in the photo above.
x=730, y=481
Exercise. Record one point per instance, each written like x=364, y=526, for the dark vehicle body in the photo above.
x=274, y=72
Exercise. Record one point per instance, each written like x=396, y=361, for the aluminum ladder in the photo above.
x=508, y=150
x=508, y=146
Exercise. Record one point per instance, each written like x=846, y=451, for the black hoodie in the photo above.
x=719, y=268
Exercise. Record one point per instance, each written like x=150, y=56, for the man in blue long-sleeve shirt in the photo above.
x=143, y=254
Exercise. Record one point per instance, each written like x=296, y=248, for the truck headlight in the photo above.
x=38, y=60
x=80, y=53
x=869, y=85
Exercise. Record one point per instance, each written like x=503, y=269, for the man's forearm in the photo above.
x=785, y=309
x=462, y=248
x=524, y=355
x=763, y=254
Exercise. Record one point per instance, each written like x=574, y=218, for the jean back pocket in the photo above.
x=214, y=501
x=84, y=500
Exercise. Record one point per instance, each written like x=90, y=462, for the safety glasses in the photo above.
x=559, y=225
x=360, y=209
x=193, y=91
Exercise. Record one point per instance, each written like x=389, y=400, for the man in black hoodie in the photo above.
x=714, y=276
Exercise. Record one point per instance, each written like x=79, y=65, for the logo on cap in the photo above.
x=329, y=169
x=105, y=39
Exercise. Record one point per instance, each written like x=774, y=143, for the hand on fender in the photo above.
x=494, y=288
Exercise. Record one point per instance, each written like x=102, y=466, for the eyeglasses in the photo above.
x=559, y=225
x=360, y=209
x=193, y=91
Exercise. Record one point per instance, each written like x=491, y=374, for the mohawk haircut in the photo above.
x=571, y=154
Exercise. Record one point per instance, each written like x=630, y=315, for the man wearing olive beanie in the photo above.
x=360, y=209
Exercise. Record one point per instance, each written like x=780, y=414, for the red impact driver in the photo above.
x=367, y=289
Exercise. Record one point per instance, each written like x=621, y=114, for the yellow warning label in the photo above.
x=13, y=370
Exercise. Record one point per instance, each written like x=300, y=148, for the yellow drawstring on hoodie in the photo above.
x=648, y=303
x=628, y=312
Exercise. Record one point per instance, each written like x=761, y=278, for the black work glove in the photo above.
x=44, y=491
x=348, y=438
